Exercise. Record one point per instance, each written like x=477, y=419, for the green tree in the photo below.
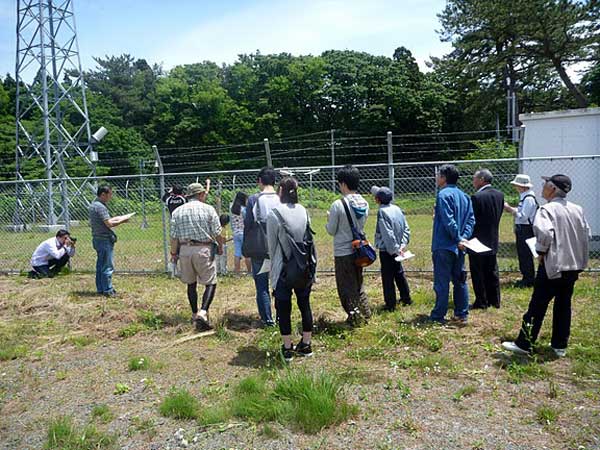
x=520, y=41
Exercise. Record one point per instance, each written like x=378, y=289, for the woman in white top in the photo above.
x=238, y=212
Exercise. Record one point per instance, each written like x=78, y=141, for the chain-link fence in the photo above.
x=143, y=242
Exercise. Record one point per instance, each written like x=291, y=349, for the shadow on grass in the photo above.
x=239, y=322
x=325, y=326
x=84, y=294
x=422, y=320
x=173, y=320
x=250, y=356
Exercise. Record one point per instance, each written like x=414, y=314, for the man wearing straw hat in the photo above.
x=524, y=215
x=195, y=228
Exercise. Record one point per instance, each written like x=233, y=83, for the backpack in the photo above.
x=364, y=253
x=300, y=268
x=254, y=244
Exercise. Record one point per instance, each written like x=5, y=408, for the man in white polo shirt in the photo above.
x=52, y=255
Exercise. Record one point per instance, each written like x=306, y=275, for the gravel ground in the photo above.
x=61, y=375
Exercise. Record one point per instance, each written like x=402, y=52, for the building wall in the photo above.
x=566, y=133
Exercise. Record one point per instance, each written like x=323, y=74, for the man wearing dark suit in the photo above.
x=488, y=204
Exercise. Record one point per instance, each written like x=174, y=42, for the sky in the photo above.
x=186, y=31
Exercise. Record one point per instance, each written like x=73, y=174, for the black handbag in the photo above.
x=364, y=253
x=255, y=237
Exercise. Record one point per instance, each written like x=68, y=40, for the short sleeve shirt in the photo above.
x=195, y=221
x=98, y=214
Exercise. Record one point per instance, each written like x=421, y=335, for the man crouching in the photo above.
x=52, y=255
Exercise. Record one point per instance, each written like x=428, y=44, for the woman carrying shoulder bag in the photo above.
x=293, y=263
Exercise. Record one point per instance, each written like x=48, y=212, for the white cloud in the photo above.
x=310, y=27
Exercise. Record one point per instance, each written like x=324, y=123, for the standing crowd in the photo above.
x=272, y=235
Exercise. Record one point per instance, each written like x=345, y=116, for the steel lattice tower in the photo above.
x=49, y=86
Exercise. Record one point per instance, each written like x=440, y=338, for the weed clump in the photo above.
x=63, y=434
x=179, y=404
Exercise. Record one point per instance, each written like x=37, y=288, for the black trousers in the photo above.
x=393, y=272
x=486, y=281
x=523, y=232
x=544, y=290
x=283, y=302
x=53, y=267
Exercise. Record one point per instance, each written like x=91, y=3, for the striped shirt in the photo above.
x=195, y=221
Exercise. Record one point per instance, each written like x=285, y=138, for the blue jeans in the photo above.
x=448, y=266
x=263, y=299
x=104, y=265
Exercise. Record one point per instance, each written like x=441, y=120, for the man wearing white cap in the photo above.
x=524, y=215
x=195, y=228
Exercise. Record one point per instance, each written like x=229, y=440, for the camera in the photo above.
x=73, y=239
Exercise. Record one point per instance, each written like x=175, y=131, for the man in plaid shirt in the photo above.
x=195, y=230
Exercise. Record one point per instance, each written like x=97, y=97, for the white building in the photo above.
x=566, y=133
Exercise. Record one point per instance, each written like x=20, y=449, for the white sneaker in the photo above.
x=560, y=352
x=511, y=346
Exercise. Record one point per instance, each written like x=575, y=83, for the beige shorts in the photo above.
x=196, y=265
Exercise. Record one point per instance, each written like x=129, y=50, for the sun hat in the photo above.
x=195, y=189
x=522, y=180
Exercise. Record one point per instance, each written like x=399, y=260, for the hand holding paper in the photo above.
x=531, y=244
x=404, y=256
x=476, y=246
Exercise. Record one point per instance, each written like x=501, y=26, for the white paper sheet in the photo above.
x=476, y=246
x=531, y=244
x=266, y=267
x=407, y=255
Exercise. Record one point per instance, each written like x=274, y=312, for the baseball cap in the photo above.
x=383, y=194
x=563, y=182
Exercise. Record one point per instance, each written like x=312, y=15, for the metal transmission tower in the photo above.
x=49, y=87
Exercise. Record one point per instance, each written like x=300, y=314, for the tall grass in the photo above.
x=63, y=434
x=298, y=399
x=179, y=404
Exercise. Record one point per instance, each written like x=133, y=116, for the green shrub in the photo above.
x=139, y=363
x=150, y=320
x=64, y=435
x=308, y=402
x=131, y=330
x=179, y=404
x=102, y=413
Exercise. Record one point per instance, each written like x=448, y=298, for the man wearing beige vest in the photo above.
x=562, y=240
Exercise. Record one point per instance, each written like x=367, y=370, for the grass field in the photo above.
x=79, y=371
x=142, y=249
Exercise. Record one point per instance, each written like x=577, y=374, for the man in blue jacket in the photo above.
x=391, y=238
x=453, y=224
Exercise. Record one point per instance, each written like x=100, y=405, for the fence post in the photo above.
x=161, y=179
x=390, y=151
x=144, y=219
x=268, y=152
x=332, y=160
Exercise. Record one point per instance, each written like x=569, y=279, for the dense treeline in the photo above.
x=525, y=48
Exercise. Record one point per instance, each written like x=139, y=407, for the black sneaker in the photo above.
x=406, y=302
x=303, y=349
x=202, y=324
x=287, y=353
